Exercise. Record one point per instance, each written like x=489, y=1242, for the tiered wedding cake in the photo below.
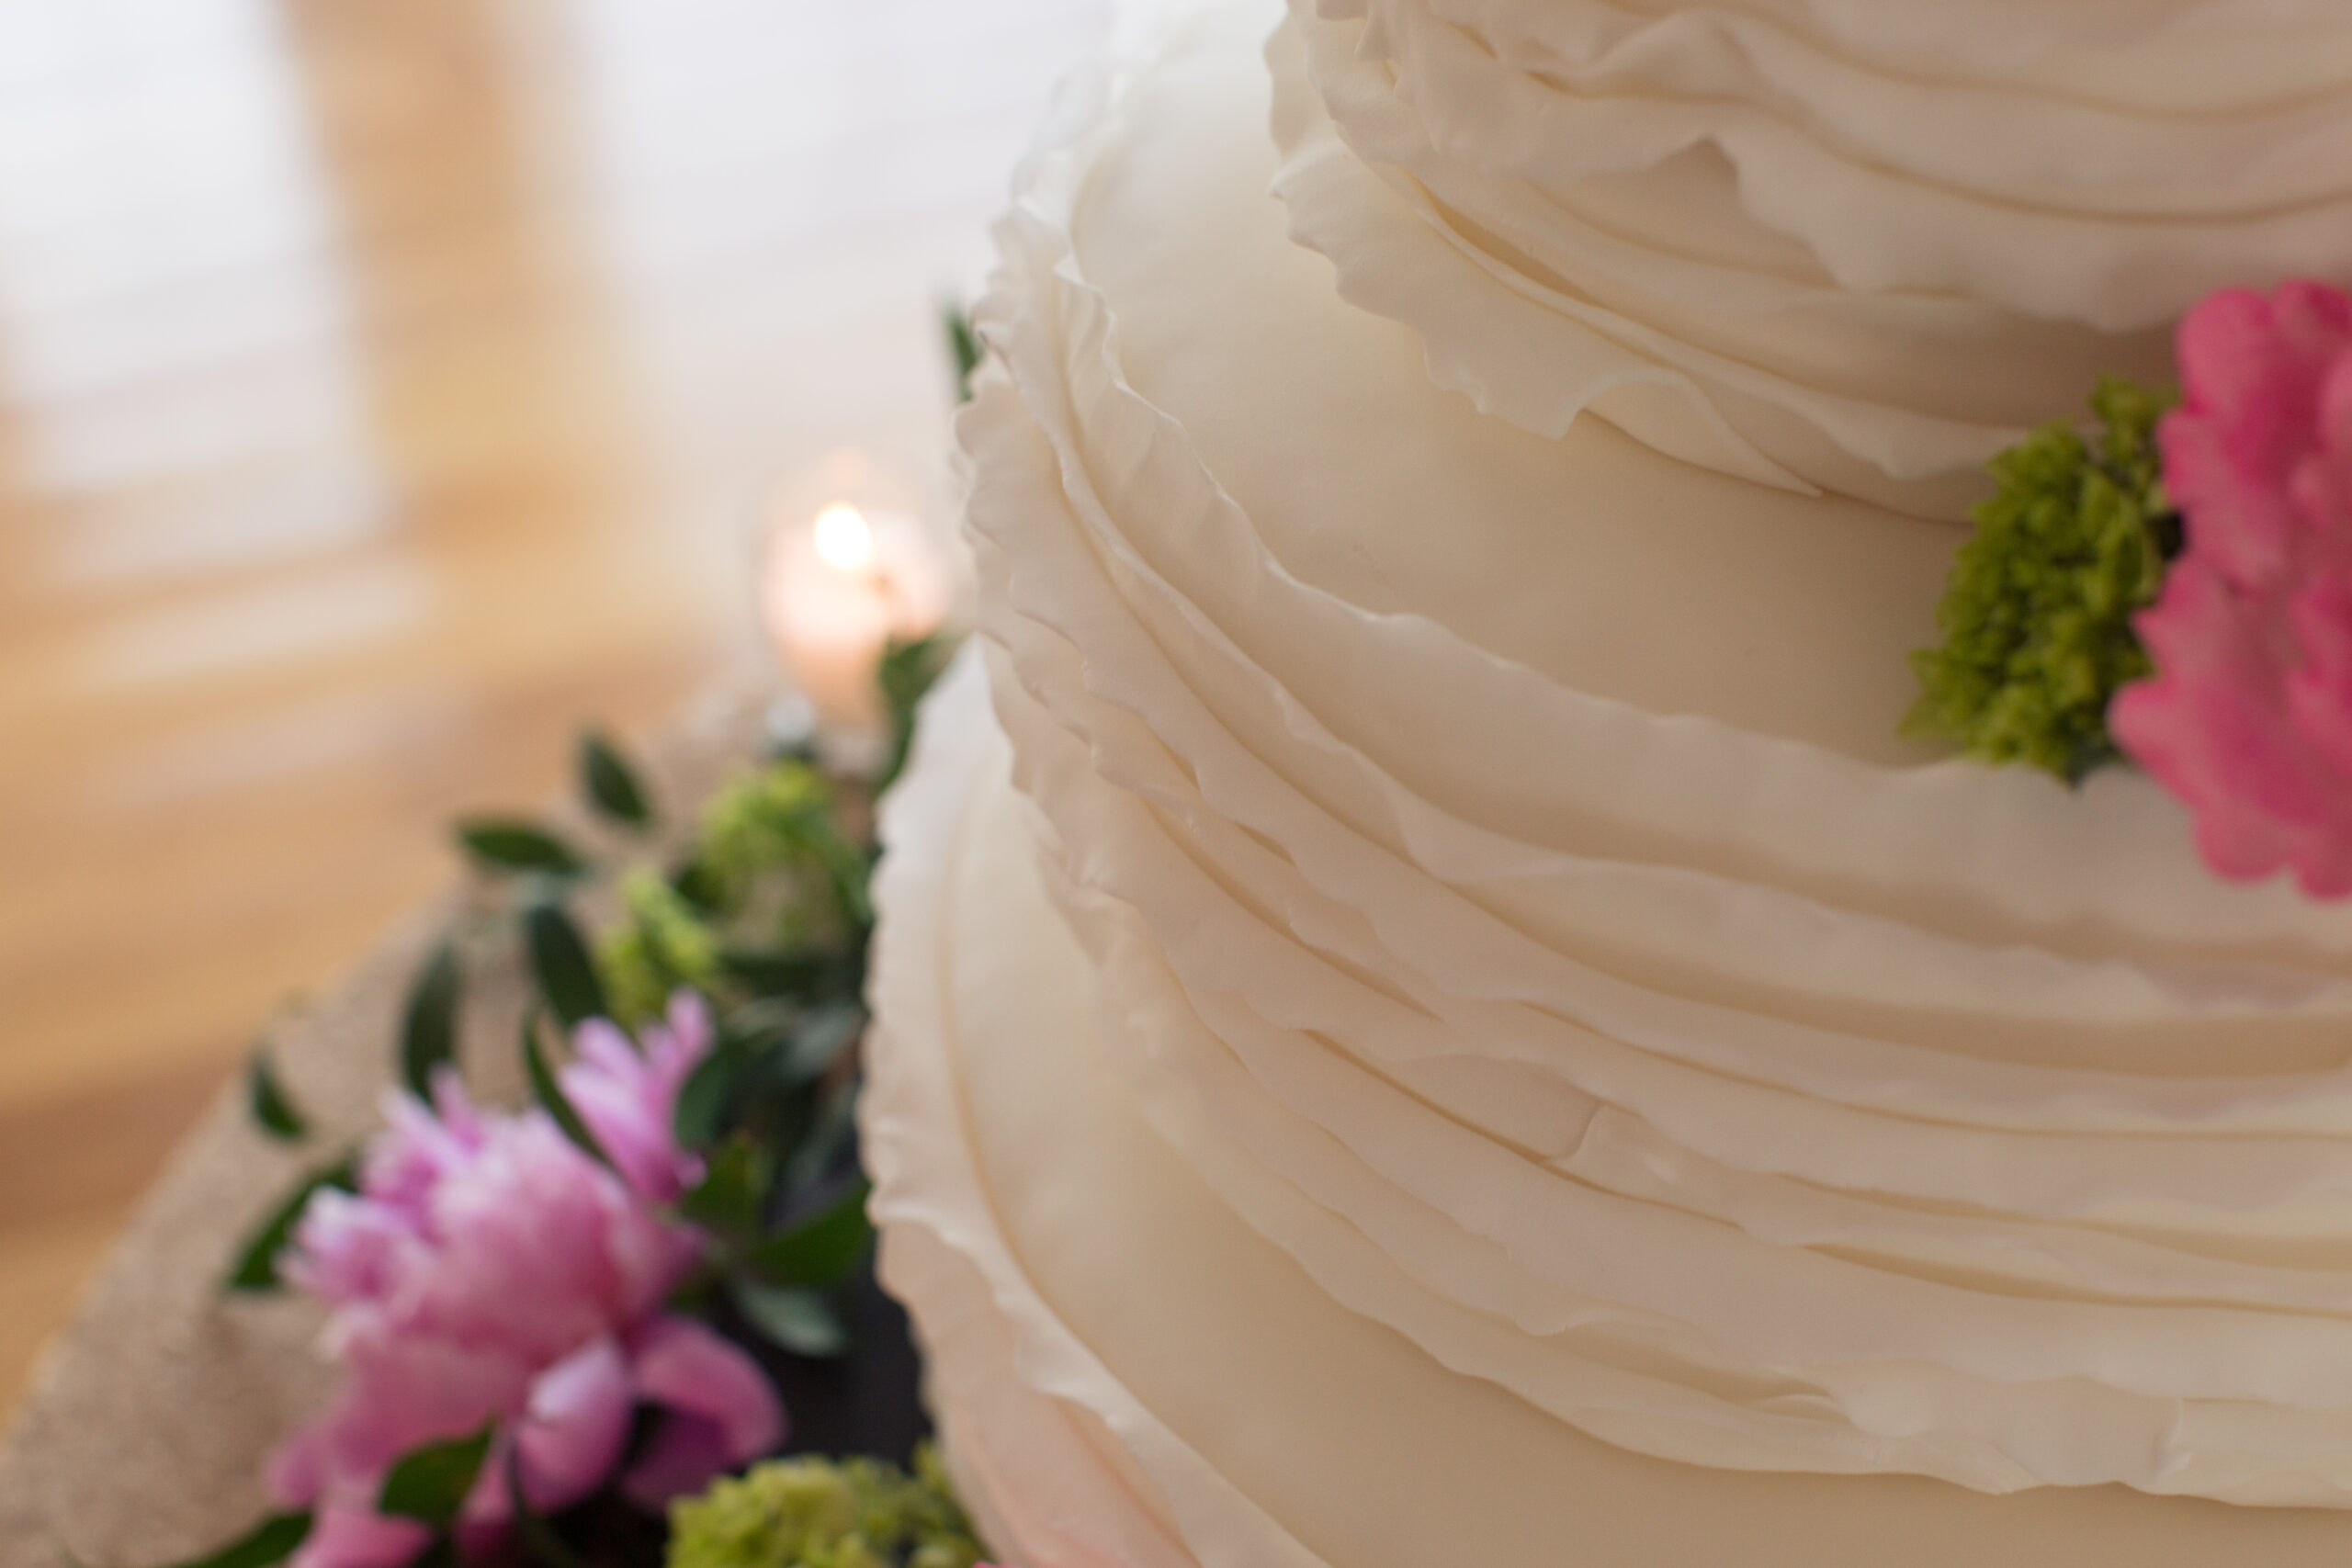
x=1426, y=1015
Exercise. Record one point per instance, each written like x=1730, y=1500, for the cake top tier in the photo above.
x=1834, y=244
x=2156, y=57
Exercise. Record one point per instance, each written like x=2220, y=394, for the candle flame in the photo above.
x=843, y=540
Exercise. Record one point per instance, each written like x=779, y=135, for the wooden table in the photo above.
x=385, y=386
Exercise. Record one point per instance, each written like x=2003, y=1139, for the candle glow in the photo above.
x=834, y=589
x=843, y=541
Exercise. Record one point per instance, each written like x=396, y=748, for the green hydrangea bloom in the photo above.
x=2037, y=615
x=763, y=820
x=663, y=945
x=783, y=818
x=811, y=1513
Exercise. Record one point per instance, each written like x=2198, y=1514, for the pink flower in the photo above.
x=630, y=1100
x=489, y=1273
x=2248, y=719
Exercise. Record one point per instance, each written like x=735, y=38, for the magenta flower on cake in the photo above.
x=2248, y=719
x=489, y=1274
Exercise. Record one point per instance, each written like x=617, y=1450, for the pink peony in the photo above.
x=2248, y=719
x=629, y=1098
x=490, y=1272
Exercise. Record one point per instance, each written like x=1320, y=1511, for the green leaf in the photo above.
x=541, y=1544
x=820, y=1250
x=274, y=1539
x=429, y=1026
x=610, y=783
x=965, y=349
x=800, y=1321
x=820, y=1043
x=431, y=1483
x=256, y=1267
x=908, y=669
x=693, y=880
x=765, y=1047
x=548, y=1090
x=266, y=1099
x=850, y=869
x=836, y=1121
x=760, y=1024
x=801, y=974
x=559, y=961
x=506, y=844
x=707, y=1099
x=732, y=1196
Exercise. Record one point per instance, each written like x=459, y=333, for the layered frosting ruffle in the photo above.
x=1128, y=1369
x=1838, y=245
x=1699, y=1087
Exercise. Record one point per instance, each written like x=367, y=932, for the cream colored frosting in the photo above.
x=1487, y=866
x=1127, y=1366
x=1845, y=245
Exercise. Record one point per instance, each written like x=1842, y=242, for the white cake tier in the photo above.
x=1130, y=1372
x=1849, y=244
x=1499, y=887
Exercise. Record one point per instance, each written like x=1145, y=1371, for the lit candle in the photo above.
x=834, y=592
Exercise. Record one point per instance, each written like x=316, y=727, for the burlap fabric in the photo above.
x=142, y=1437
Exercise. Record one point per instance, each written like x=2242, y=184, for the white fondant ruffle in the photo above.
x=1286, y=1429
x=1809, y=248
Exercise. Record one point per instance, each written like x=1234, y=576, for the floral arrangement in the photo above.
x=560, y=1326
x=551, y=1321
x=493, y=1277
x=2177, y=592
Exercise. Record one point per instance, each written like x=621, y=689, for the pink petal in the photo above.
x=2253, y=370
x=399, y=1396
x=600, y=1044
x=358, y=1538
x=2223, y=347
x=572, y=1436
x=2315, y=318
x=2249, y=717
x=2334, y=433
x=543, y=1249
x=348, y=1248
x=687, y=1367
x=623, y=1098
x=2204, y=725
x=2319, y=695
x=454, y=1109
x=296, y=1474
x=690, y=1028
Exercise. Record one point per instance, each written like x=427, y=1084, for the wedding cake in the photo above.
x=1427, y=1013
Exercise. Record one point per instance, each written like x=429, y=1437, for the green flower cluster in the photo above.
x=663, y=945
x=782, y=818
x=773, y=869
x=2037, y=615
x=811, y=1513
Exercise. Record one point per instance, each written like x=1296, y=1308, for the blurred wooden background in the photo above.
x=386, y=386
